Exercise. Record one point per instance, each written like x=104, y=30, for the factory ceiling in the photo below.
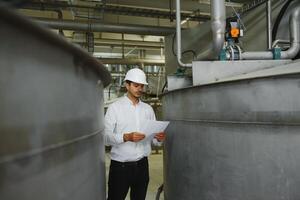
x=143, y=12
x=122, y=27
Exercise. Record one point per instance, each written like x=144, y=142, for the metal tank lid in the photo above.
x=288, y=69
x=292, y=68
x=10, y=16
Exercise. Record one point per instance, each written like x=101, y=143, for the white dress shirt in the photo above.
x=124, y=117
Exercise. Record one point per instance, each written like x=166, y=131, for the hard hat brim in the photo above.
x=144, y=83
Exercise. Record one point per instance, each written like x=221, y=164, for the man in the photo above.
x=130, y=149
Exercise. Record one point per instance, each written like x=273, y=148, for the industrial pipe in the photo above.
x=269, y=24
x=178, y=36
x=104, y=27
x=294, y=35
x=218, y=24
x=294, y=39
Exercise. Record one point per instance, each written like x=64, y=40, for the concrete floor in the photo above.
x=155, y=170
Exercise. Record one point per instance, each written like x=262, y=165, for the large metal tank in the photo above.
x=51, y=116
x=235, y=140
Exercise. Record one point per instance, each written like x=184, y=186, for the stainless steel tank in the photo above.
x=234, y=140
x=51, y=116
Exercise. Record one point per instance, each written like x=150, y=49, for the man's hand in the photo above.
x=160, y=136
x=133, y=137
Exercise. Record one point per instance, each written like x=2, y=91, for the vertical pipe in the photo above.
x=269, y=24
x=123, y=51
x=159, y=73
x=294, y=35
x=170, y=5
x=218, y=24
x=178, y=36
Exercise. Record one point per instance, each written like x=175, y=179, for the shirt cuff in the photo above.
x=119, y=138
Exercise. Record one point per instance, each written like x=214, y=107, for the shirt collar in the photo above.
x=129, y=101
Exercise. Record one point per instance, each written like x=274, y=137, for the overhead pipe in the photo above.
x=59, y=16
x=294, y=23
x=133, y=61
x=105, y=27
x=218, y=25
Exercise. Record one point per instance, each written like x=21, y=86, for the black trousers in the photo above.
x=125, y=175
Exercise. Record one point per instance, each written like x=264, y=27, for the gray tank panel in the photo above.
x=51, y=117
x=234, y=140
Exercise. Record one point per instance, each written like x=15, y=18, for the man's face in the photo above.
x=135, y=89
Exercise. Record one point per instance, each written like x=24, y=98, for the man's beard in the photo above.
x=138, y=94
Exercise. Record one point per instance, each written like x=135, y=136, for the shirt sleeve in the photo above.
x=111, y=138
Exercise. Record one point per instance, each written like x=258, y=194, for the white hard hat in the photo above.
x=136, y=75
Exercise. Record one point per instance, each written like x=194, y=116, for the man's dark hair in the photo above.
x=127, y=81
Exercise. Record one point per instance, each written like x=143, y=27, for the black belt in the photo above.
x=144, y=159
